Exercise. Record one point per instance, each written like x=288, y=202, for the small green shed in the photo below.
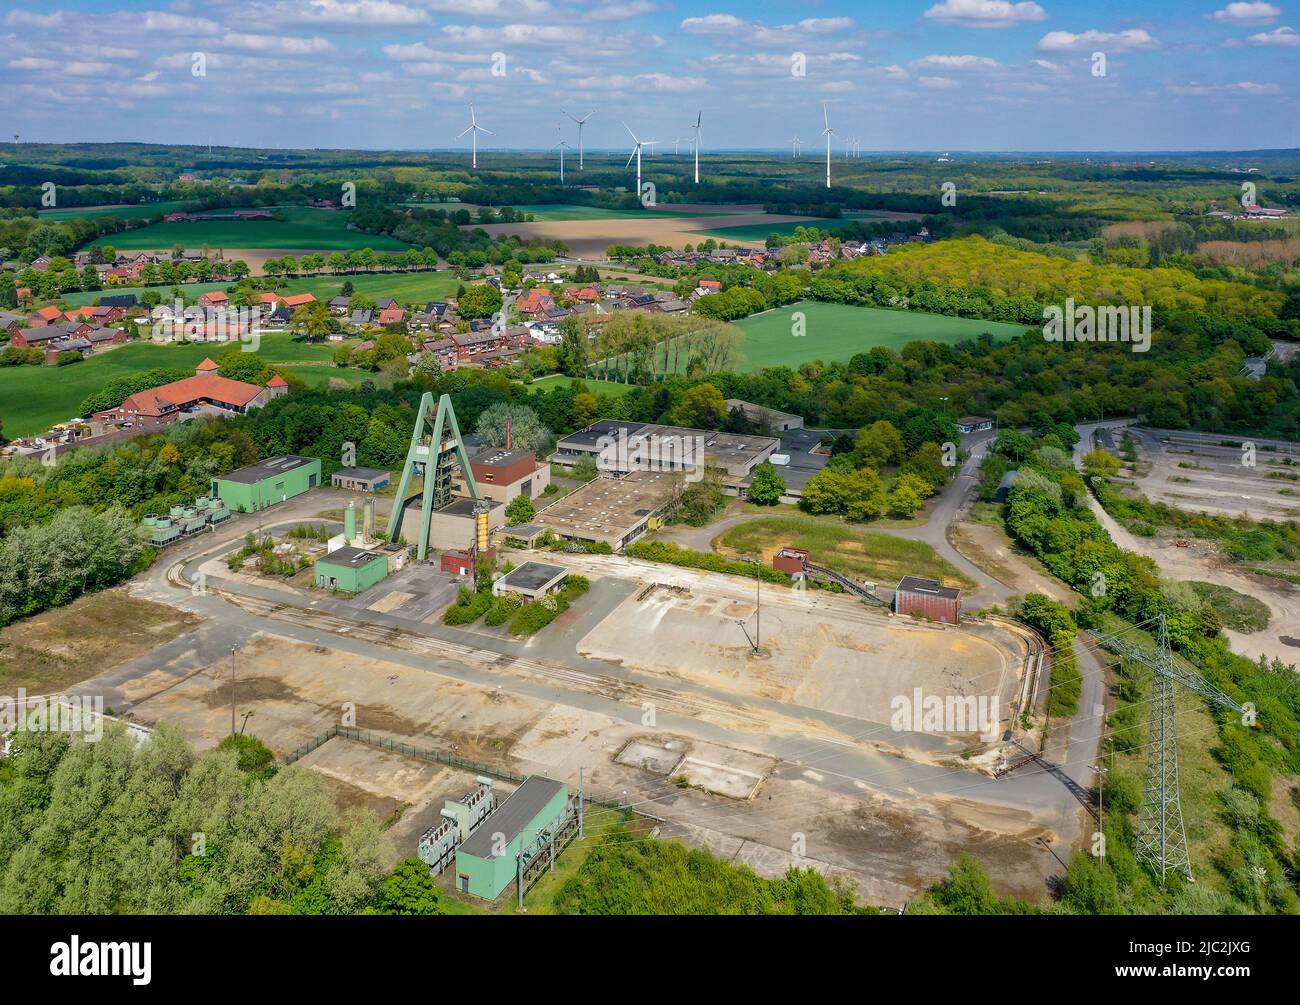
x=351, y=570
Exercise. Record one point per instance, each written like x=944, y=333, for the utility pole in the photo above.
x=1100, y=771
x=232, y=692
x=581, y=801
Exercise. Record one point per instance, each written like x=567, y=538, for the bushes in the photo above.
x=468, y=608
x=1054, y=623
x=502, y=609
x=671, y=554
x=535, y=616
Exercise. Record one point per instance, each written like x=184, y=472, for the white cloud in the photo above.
x=837, y=86
x=938, y=83
x=1241, y=87
x=946, y=63
x=275, y=44
x=729, y=28
x=28, y=19
x=355, y=14
x=986, y=13
x=1247, y=13
x=1132, y=38
x=1278, y=36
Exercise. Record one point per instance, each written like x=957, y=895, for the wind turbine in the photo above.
x=474, y=129
x=827, y=132
x=698, y=116
x=794, y=146
x=581, y=122
x=562, y=146
x=636, y=152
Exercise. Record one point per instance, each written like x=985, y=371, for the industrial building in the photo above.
x=531, y=580
x=503, y=474
x=927, y=598
x=508, y=841
x=613, y=511
x=351, y=570
x=268, y=482
x=974, y=423
x=770, y=420
x=360, y=479
x=620, y=447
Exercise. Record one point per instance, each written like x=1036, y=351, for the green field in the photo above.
x=837, y=332
x=594, y=386
x=756, y=233
x=562, y=211
x=303, y=228
x=408, y=287
x=33, y=398
x=135, y=211
x=857, y=554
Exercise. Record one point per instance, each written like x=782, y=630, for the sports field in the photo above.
x=836, y=332
x=303, y=227
x=128, y=211
x=33, y=398
x=594, y=386
x=407, y=287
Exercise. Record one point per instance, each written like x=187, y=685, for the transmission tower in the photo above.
x=1161, y=838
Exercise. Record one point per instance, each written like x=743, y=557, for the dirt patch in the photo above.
x=57, y=649
x=590, y=238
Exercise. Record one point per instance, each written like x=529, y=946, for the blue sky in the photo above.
x=898, y=75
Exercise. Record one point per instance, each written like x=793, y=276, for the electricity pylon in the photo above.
x=434, y=452
x=1161, y=837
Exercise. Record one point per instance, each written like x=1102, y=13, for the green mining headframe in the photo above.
x=435, y=451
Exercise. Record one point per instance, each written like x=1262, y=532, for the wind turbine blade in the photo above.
x=488, y=131
x=467, y=129
x=630, y=133
x=630, y=156
x=826, y=118
x=698, y=116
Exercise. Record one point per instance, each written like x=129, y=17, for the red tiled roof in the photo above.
x=184, y=392
x=298, y=299
x=50, y=313
x=207, y=366
x=277, y=381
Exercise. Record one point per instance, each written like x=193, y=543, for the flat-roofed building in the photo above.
x=619, y=447
x=927, y=598
x=502, y=474
x=531, y=580
x=360, y=479
x=613, y=511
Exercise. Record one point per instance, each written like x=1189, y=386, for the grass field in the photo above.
x=594, y=386
x=408, y=287
x=33, y=398
x=756, y=233
x=135, y=211
x=857, y=554
x=561, y=211
x=837, y=332
x=303, y=228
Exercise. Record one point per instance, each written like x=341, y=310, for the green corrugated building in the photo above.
x=267, y=482
x=486, y=862
x=350, y=569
